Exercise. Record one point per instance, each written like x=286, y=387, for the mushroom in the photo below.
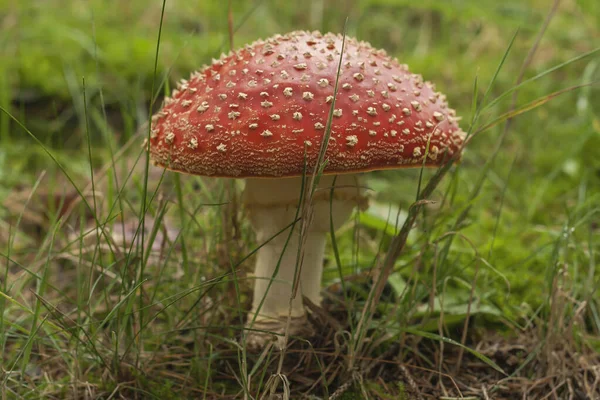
x=261, y=114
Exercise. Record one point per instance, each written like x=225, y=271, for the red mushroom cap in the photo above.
x=263, y=110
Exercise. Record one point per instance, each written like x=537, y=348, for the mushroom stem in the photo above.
x=273, y=206
x=277, y=297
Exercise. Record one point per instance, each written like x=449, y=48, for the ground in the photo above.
x=493, y=296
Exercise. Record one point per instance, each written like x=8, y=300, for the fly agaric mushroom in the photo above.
x=261, y=114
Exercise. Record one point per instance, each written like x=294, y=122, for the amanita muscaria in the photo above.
x=261, y=114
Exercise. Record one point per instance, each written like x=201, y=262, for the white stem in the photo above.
x=276, y=299
x=273, y=206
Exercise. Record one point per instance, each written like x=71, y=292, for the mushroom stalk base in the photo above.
x=273, y=205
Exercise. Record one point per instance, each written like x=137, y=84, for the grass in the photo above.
x=119, y=281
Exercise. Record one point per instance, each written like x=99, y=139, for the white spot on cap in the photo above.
x=354, y=97
x=264, y=94
x=438, y=115
x=253, y=125
x=266, y=104
x=370, y=93
x=371, y=111
x=300, y=66
x=358, y=76
x=406, y=111
x=275, y=117
x=319, y=126
x=323, y=82
x=416, y=105
x=297, y=116
x=351, y=140
x=186, y=103
x=346, y=86
x=284, y=75
x=329, y=99
x=193, y=144
x=268, y=49
x=372, y=133
x=308, y=96
x=242, y=96
x=266, y=133
x=337, y=112
x=222, y=147
x=203, y=107
x=433, y=152
x=233, y=114
x=209, y=127
x=417, y=152
x=169, y=137
x=386, y=107
x=287, y=92
x=222, y=96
